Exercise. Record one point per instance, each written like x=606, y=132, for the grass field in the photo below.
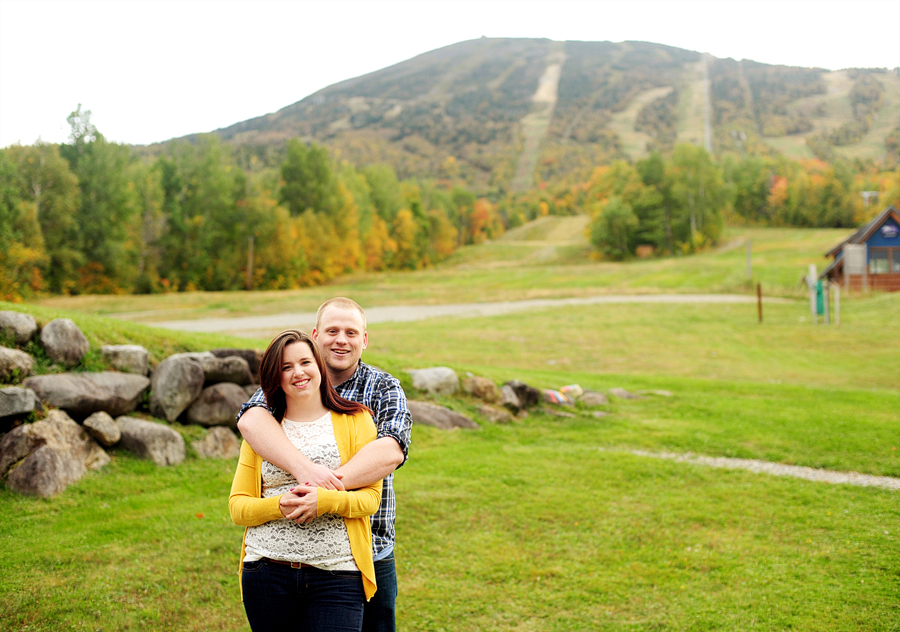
x=547, y=523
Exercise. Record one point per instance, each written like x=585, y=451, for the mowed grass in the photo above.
x=550, y=522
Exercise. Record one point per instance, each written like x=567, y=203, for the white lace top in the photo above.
x=323, y=542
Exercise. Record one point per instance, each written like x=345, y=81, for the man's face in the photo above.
x=341, y=337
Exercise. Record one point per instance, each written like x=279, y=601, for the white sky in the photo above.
x=154, y=70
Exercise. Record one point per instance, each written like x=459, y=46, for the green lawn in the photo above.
x=547, y=523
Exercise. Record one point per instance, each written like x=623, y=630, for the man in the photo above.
x=341, y=335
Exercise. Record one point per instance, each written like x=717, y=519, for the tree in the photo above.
x=308, y=179
x=51, y=191
x=613, y=230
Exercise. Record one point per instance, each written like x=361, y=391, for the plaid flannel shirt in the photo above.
x=382, y=393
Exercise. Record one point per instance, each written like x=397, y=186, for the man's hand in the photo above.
x=300, y=504
x=320, y=476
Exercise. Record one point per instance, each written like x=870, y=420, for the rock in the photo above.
x=81, y=394
x=20, y=328
x=127, y=358
x=232, y=369
x=550, y=396
x=14, y=364
x=252, y=356
x=528, y=395
x=217, y=405
x=494, y=414
x=439, y=380
x=219, y=443
x=64, y=342
x=600, y=413
x=151, y=440
x=45, y=457
x=429, y=414
x=482, y=388
x=621, y=393
x=175, y=383
x=509, y=398
x=102, y=427
x=659, y=393
x=558, y=413
x=593, y=398
x=572, y=391
x=16, y=401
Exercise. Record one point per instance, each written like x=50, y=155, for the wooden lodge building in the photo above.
x=870, y=257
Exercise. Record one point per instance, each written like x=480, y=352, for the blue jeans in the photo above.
x=380, y=613
x=278, y=597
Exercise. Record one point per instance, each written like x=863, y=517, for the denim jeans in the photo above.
x=380, y=615
x=278, y=597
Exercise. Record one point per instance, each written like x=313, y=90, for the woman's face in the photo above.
x=300, y=376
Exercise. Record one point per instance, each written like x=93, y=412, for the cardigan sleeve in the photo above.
x=244, y=504
x=356, y=503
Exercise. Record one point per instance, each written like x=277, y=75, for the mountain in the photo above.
x=506, y=113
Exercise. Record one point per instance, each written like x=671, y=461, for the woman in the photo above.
x=313, y=576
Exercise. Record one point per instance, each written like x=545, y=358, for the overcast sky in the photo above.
x=154, y=70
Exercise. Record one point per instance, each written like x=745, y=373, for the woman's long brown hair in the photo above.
x=270, y=376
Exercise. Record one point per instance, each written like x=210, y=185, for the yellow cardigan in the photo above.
x=249, y=509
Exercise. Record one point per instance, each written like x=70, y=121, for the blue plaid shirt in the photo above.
x=382, y=393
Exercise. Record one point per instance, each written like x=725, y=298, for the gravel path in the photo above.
x=777, y=469
x=262, y=326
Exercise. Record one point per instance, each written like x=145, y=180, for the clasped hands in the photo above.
x=300, y=504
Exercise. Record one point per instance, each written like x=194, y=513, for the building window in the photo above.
x=884, y=260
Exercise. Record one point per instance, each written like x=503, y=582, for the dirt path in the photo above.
x=776, y=469
x=266, y=326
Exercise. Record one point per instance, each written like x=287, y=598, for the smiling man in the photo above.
x=340, y=334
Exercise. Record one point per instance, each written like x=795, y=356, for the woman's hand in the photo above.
x=300, y=504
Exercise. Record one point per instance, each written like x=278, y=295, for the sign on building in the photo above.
x=854, y=259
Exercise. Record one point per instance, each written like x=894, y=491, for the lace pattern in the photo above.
x=323, y=542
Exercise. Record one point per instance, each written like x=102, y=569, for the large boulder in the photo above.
x=217, y=405
x=16, y=401
x=64, y=342
x=495, y=414
x=103, y=428
x=20, y=328
x=509, y=398
x=81, y=394
x=593, y=398
x=439, y=380
x=127, y=358
x=175, y=383
x=528, y=395
x=151, y=440
x=14, y=364
x=232, y=369
x=252, y=356
x=621, y=393
x=45, y=457
x=429, y=414
x=483, y=388
x=219, y=443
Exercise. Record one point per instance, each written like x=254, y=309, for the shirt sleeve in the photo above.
x=244, y=504
x=258, y=399
x=392, y=416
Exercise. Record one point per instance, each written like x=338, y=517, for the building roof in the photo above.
x=866, y=231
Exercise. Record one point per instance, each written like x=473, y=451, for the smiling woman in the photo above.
x=327, y=559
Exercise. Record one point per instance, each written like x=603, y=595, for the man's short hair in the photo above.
x=340, y=302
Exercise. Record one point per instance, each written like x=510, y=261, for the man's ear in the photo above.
x=315, y=334
x=365, y=339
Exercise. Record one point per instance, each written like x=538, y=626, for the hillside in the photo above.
x=507, y=113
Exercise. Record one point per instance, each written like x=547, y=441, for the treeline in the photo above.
x=90, y=217
x=679, y=203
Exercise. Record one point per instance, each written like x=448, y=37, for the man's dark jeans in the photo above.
x=278, y=597
x=380, y=614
